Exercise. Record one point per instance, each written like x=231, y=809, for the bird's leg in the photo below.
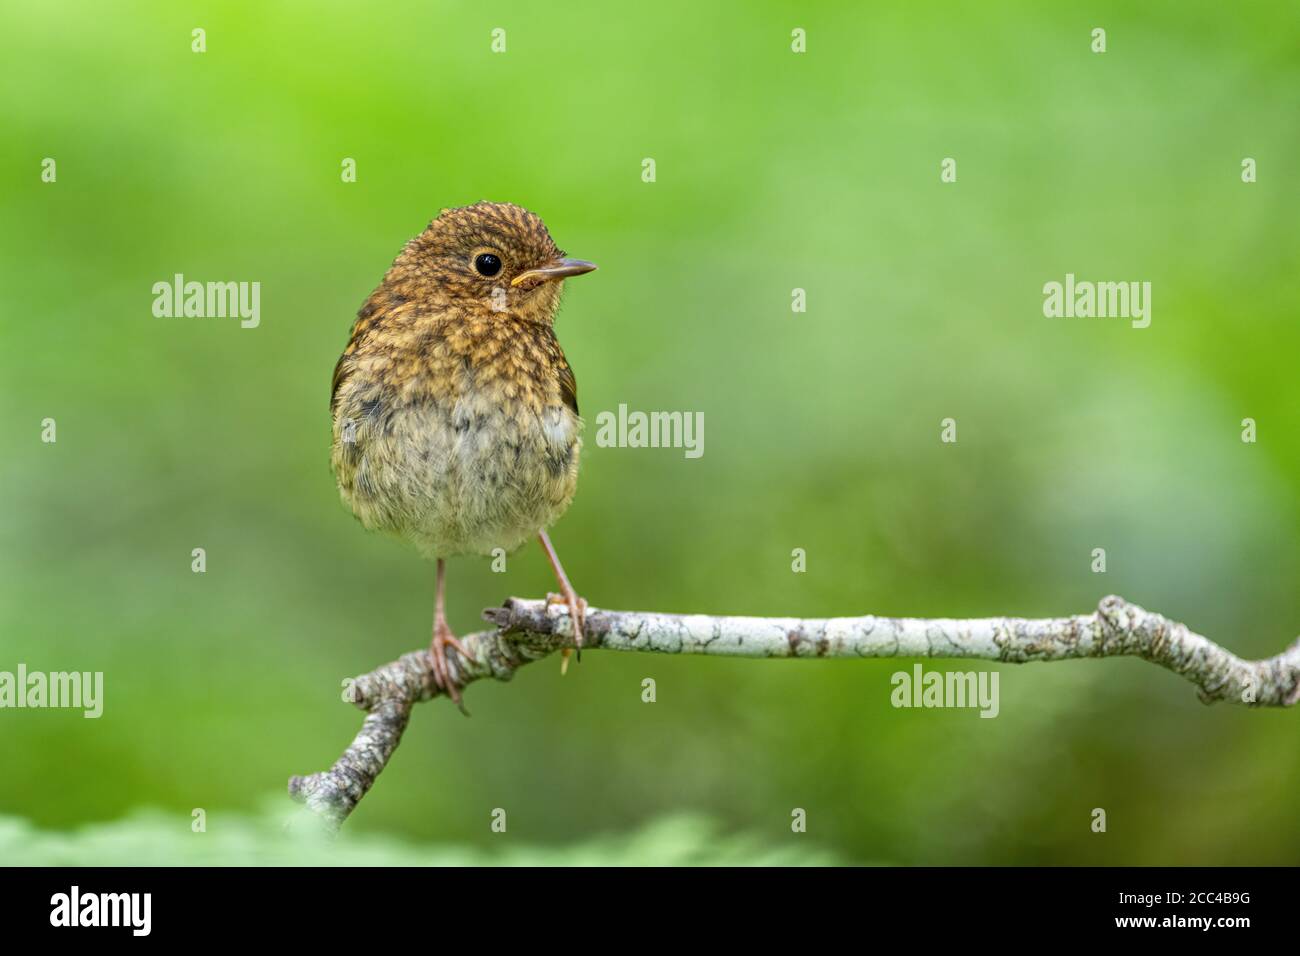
x=577, y=606
x=442, y=636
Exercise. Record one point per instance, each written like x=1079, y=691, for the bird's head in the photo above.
x=485, y=259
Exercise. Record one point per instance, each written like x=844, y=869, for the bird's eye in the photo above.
x=487, y=264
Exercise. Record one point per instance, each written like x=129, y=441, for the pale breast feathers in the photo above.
x=460, y=435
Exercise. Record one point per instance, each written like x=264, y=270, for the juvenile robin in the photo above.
x=455, y=412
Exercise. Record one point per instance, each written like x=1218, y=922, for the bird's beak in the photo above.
x=559, y=269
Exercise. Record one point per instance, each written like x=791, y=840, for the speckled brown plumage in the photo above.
x=455, y=412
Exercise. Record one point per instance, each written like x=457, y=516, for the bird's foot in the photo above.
x=442, y=674
x=577, y=614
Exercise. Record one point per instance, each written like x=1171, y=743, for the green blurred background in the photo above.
x=774, y=171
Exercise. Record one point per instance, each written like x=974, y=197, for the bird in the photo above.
x=455, y=412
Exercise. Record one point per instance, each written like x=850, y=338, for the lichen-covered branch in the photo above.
x=530, y=630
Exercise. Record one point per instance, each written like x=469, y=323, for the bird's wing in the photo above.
x=369, y=314
x=341, y=370
x=568, y=385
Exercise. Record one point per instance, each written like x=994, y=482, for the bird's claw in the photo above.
x=442, y=673
x=577, y=613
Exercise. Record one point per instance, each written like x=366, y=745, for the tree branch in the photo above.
x=528, y=630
